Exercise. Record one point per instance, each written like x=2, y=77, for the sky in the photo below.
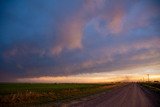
x=79, y=40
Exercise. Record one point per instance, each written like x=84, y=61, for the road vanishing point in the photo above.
x=131, y=95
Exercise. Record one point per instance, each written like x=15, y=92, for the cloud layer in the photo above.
x=62, y=38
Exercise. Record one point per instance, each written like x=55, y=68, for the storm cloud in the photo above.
x=62, y=38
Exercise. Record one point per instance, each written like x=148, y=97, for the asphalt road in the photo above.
x=131, y=95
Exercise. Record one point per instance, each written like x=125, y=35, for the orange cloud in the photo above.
x=71, y=31
x=57, y=49
x=71, y=36
x=116, y=23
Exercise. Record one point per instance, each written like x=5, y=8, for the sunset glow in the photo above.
x=132, y=75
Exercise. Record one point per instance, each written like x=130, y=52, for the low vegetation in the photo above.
x=26, y=93
x=153, y=86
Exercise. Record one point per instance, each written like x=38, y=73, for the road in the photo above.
x=131, y=95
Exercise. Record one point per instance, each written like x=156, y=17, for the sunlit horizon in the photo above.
x=134, y=75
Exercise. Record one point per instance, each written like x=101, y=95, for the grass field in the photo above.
x=36, y=93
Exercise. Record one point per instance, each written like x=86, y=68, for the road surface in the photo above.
x=131, y=95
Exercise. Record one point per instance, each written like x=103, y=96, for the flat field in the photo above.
x=37, y=93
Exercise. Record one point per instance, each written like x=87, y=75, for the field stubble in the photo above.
x=25, y=93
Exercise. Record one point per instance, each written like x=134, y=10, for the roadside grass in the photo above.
x=155, y=87
x=36, y=93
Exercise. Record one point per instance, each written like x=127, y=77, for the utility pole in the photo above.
x=148, y=77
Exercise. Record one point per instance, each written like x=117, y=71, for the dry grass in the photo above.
x=51, y=93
